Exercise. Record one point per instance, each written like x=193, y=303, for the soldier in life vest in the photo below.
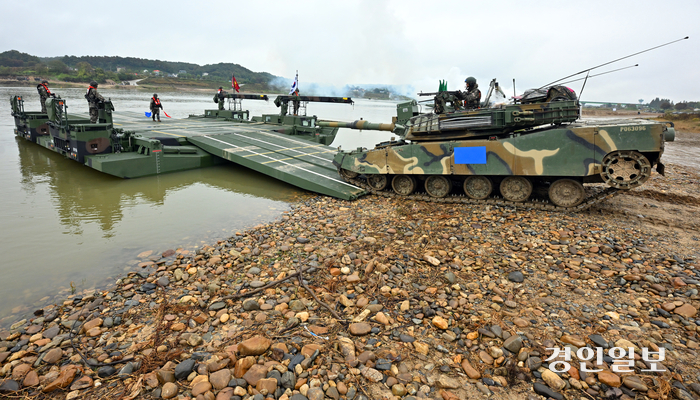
x=93, y=99
x=44, y=94
x=472, y=97
x=219, y=97
x=296, y=102
x=155, y=107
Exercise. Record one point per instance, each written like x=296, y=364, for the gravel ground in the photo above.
x=388, y=299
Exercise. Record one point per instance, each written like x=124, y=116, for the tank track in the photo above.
x=544, y=205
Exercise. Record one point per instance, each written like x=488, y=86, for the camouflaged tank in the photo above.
x=533, y=152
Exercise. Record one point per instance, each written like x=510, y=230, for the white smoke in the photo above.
x=319, y=89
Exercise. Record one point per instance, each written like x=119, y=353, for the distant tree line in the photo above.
x=101, y=68
x=666, y=104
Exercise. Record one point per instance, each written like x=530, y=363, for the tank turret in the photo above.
x=556, y=105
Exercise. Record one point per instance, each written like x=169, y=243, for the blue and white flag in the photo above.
x=294, y=84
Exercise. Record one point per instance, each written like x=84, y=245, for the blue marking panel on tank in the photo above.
x=470, y=155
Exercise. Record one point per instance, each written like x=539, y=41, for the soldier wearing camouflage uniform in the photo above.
x=296, y=102
x=472, y=97
x=44, y=94
x=93, y=99
x=155, y=107
x=442, y=98
x=219, y=97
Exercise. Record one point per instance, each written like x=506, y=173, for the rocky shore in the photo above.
x=386, y=299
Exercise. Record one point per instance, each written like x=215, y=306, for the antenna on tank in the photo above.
x=602, y=73
x=584, y=84
x=610, y=62
x=513, y=87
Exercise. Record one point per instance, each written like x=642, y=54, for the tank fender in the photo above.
x=669, y=132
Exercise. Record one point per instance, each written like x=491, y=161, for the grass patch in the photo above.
x=687, y=122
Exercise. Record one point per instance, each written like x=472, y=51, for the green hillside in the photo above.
x=14, y=58
x=103, y=68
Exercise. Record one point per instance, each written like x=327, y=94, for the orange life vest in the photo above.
x=155, y=101
x=47, y=89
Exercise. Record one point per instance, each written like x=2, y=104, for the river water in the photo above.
x=64, y=224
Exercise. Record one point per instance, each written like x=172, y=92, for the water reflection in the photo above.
x=81, y=194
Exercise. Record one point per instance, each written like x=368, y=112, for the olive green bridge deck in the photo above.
x=257, y=146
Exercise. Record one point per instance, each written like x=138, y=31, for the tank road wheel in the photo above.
x=403, y=184
x=625, y=169
x=347, y=174
x=516, y=188
x=478, y=187
x=378, y=181
x=566, y=193
x=438, y=186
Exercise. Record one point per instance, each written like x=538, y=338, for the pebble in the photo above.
x=545, y=391
x=609, y=378
x=169, y=390
x=516, y=276
x=106, y=371
x=254, y=346
x=360, y=329
x=553, y=380
x=184, y=369
x=513, y=344
x=634, y=383
x=52, y=356
x=9, y=386
x=440, y=322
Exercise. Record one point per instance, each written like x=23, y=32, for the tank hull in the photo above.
x=620, y=154
x=575, y=151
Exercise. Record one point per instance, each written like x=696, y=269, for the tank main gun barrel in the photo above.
x=360, y=125
x=246, y=96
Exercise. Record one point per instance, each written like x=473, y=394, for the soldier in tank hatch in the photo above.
x=94, y=99
x=472, y=96
x=155, y=107
x=44, y=93
x=219, y=97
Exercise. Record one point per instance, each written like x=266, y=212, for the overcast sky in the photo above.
x=406, y=42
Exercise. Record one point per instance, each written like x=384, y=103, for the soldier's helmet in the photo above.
x=471, y=81
x=93, y=84
x=45, y=82
x=155, y=95
x=220, y=87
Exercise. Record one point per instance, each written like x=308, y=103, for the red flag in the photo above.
x=234, y=84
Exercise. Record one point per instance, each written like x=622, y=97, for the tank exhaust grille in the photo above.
x=465, y=122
